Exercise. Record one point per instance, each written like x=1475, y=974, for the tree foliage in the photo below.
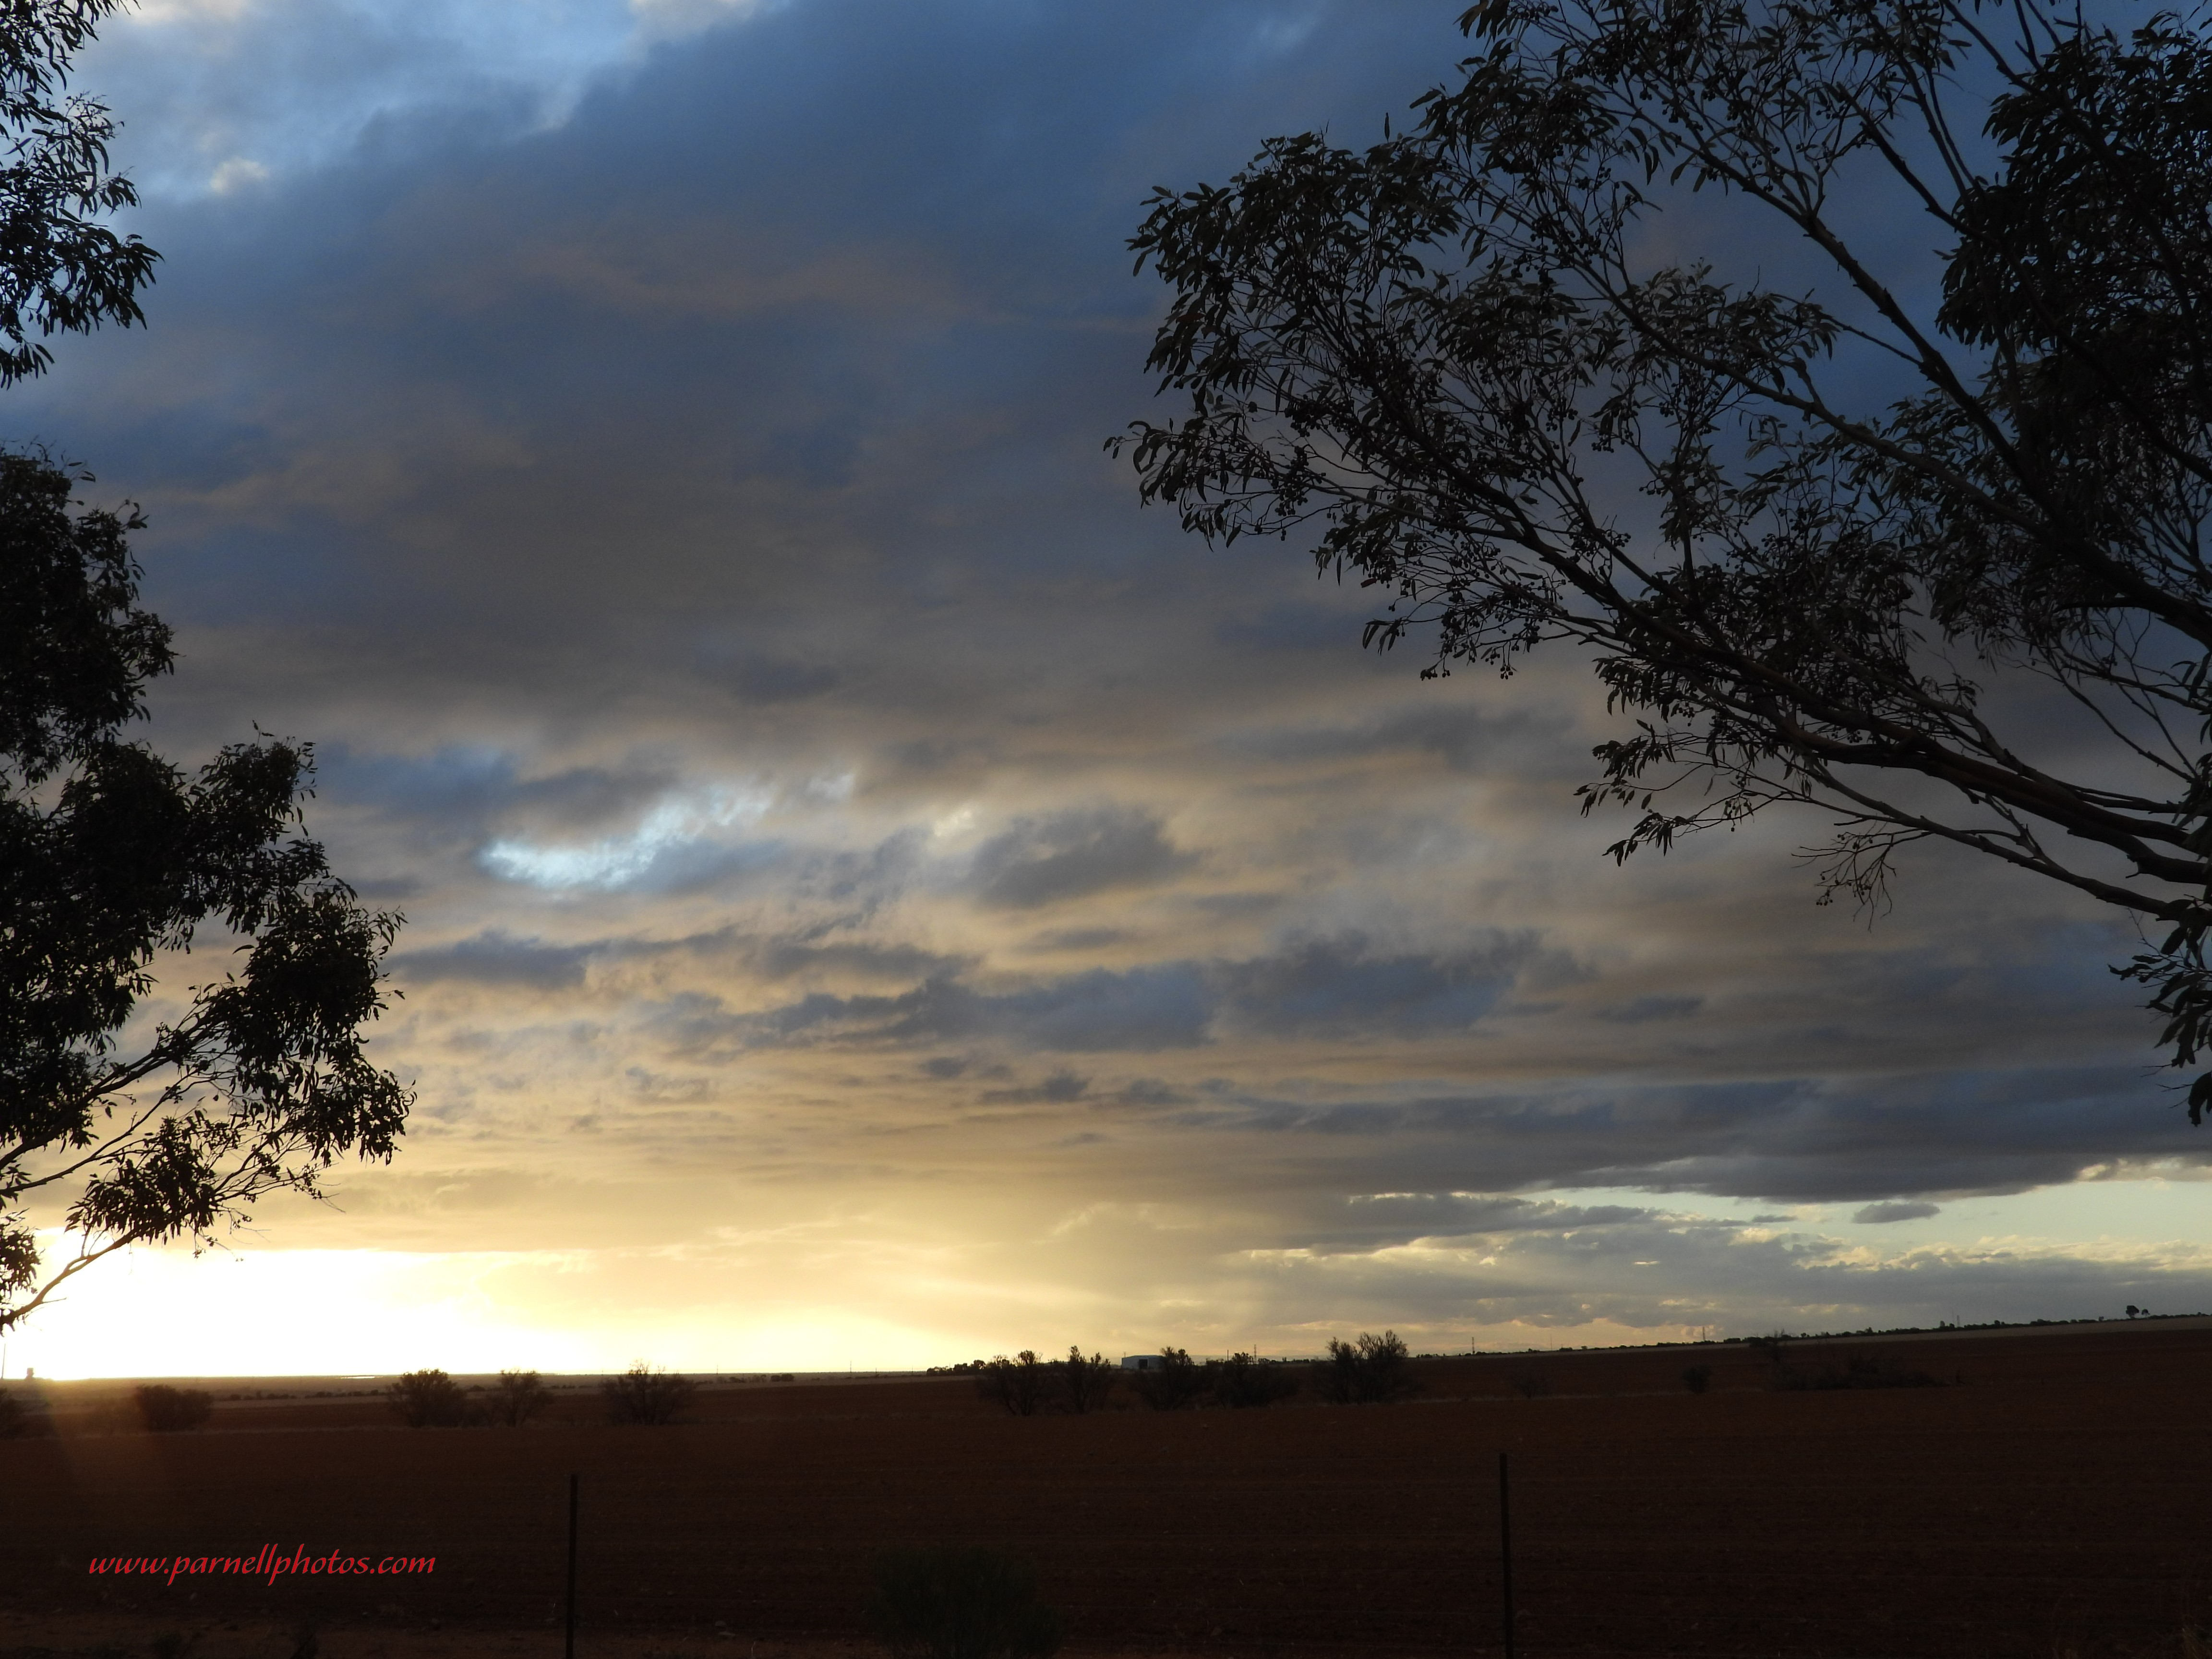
x=1370, y=1370
x=1085, y=1385
x=1022, y=1385
x=647, y=1397
x=1916, y=539
x=519, y=1396
x=427, y=1399
x=113, y=863
x=166, y=1410
x=61, y=270
x=1176, y=1381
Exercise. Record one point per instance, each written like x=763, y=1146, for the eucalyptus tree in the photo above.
x=134, y=1109
x=1846, y=509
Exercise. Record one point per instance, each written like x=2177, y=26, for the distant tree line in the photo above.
x=1369, y=1371
x=643, y=1394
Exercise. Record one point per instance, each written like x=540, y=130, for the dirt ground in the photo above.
x=2048, y=1500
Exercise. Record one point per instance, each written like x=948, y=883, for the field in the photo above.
x=2051, y=1498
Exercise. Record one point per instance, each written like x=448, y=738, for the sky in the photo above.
x=876, y=895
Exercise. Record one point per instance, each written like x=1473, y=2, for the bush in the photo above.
x=1085, y=1384
x=646, y=1396
x=950, y=1603
x=1175, y=1383
x=1861, y=1373
x=1244, y=1381
x=1532, y=1385
x=1019, y=1384
x=519, y=1397
x=1698, y=1378
x=171, y=1410
x=1372, y=1371
x=19, y=1421
x=427, y=1399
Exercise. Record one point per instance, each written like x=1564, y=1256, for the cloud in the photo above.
x=1071, y=855
x=1346, y=985
x=495, y=958
x=666, y=479
x=1895, y=1210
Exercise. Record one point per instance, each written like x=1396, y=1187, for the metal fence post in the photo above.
x=1505, y=1548
x=568, y=1647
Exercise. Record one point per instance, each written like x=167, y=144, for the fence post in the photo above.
x=568, y=1647
x=1505, y=1548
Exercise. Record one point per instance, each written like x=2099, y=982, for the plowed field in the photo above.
x=2055, y=1495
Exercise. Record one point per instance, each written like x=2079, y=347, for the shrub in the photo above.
x=1085, y=1384
x=427, y=1399
x=1018, y=1384
x=952, y=1603
x=1175, y=1383
x=1698, y=1378
x=646, y=1396
x=1532, y=1385
x=19, y=1421
x=1372, y=1371
x=170, y=1411
x=1244, y=1381
x=519, y=1397
x=1861, y=1373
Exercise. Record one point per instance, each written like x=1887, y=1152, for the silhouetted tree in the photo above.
x=61, y=271
x=1369, y=1369
x=1085, y=1384
x=427, y=1399
x=519, y=1397
x=1020, y=1384
x=1244, y=1381
x=1857, y=537
x=1373, y=1370
x=166, y=1410
x=644, y=1395
x=19, y=1421
x=111, y=858
x=1175, y=1383
x=1697, y=1378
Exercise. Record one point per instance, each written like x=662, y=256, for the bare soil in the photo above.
x=2050, y=1498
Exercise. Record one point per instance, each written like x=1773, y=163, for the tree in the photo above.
x=1176, y=1381
x=427, y=1399
x=1372, y=1370
x=112, y=862
x=166, y=1410
x=60, y=268
x=1085, y=1385
x=1916, y=541
x=1020, y=1384
x=519, y=1396
x=646, y=1396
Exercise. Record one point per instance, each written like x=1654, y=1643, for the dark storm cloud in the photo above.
x=496, y=958
x=1795, y=1140
x=1040, y=861
x=1464, y=739
x=1331, y=987
x=1343, y=985
x=1151, y=1008
x=741, y=425
x=1895, y=1210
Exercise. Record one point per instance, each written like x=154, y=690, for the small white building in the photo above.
x=1141, y=1361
